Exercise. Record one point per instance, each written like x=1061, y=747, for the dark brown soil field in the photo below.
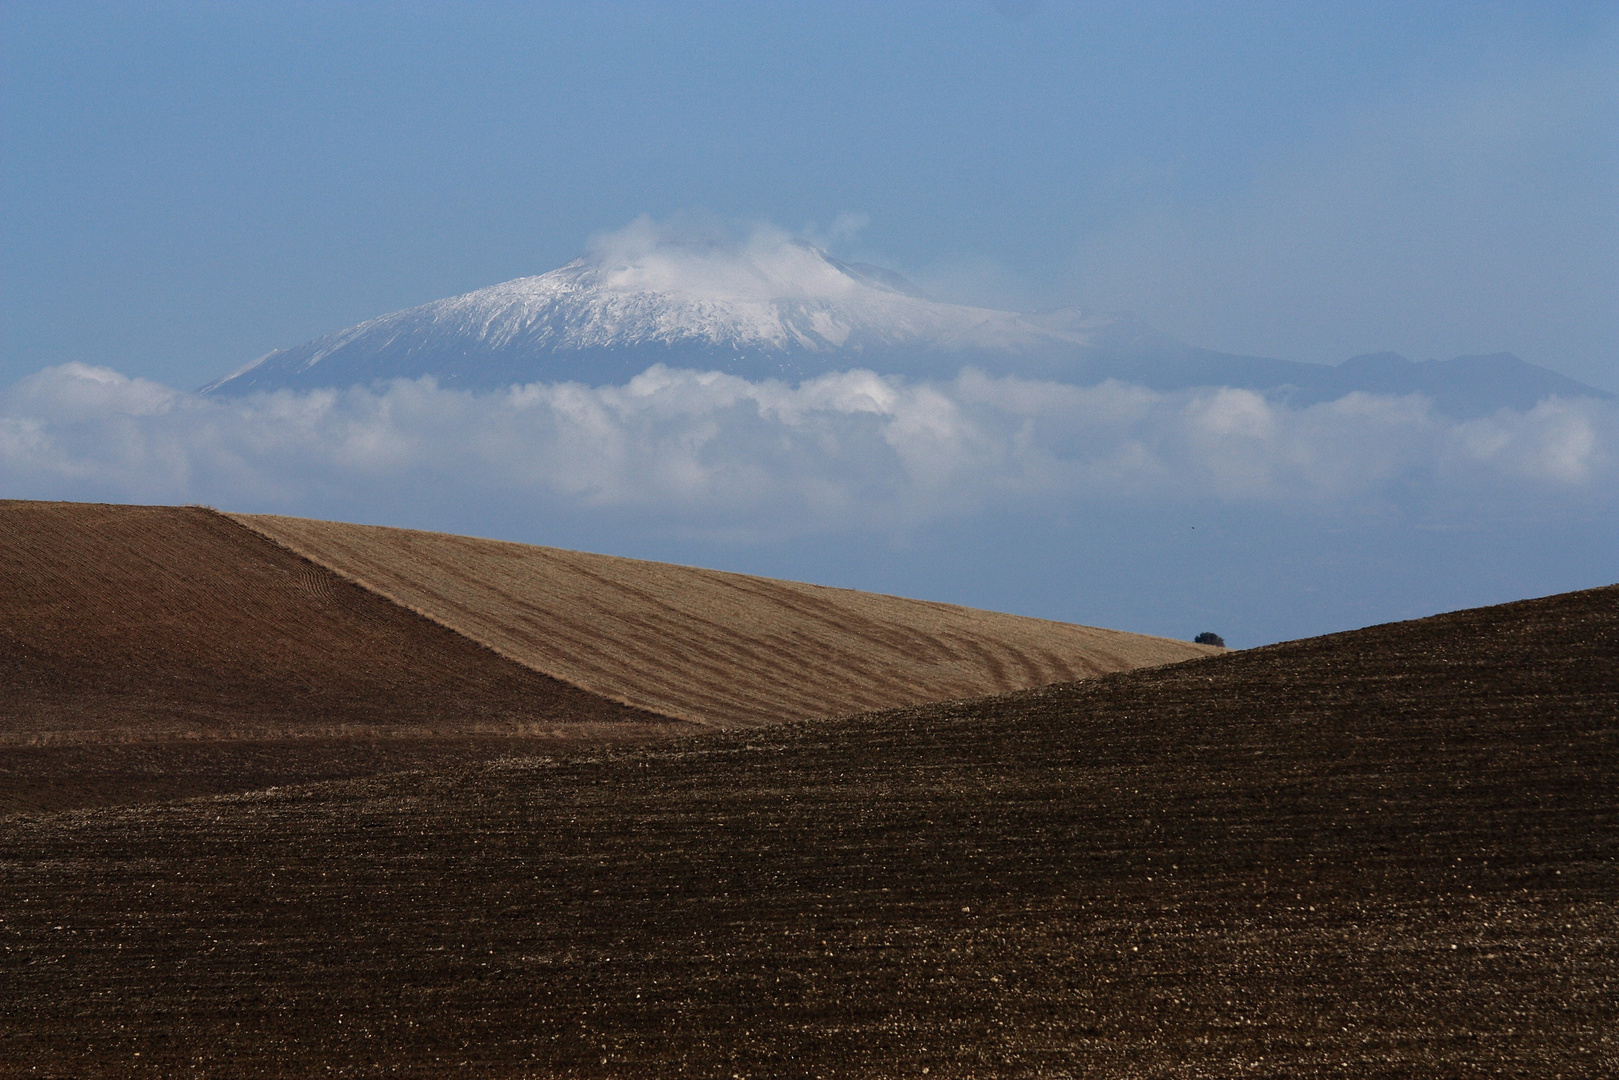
x=162, y=651
x=1386, y=853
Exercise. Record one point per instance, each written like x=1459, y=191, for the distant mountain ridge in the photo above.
x=793, y=313
x=790, y=311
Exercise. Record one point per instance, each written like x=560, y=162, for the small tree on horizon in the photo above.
x=1209, y=637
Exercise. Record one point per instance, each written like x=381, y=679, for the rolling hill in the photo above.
x=704, y=646
x=150, y=652
x=153, y=652
x=1392, y=852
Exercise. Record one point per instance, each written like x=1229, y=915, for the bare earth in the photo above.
x=164, y=652
x=150, y=652
x=710, y=647
x=1390, y=853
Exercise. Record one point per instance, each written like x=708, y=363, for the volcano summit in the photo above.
x=785, y=310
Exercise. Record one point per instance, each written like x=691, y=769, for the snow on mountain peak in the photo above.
x=775, y=307
x=757, y=272
x=762, y=307
x=771, y=293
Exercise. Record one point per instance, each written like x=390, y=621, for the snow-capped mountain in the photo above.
x=788, y=312
x=782, y=309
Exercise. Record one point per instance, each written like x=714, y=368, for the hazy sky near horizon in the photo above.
x=1112, y=505
x=188, y=185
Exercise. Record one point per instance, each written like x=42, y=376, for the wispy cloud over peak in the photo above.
x=766, y=264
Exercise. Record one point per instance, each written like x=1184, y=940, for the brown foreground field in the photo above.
x=1386, y=853
x=723, y=649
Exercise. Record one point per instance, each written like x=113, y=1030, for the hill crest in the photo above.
x=159, y=652
x=708, y=646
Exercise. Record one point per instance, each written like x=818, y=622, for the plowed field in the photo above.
x=1388, y=853
x=716, y=648
x=154, y=651
x=161, y=652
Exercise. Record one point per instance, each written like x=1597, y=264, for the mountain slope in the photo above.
x=705, y=646
x=785, y=310
x=789, y=313
x=1386, y=853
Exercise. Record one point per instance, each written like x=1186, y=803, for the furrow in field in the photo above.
x=705, y=646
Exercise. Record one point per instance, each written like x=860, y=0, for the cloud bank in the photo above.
x=705, y=454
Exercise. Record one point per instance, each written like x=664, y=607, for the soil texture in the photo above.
x=167, y=634
x=724, y=649
x=1386, y=853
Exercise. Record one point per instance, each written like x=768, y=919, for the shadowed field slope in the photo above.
x=1387, y=853
x=136, y=641
x=718, y=648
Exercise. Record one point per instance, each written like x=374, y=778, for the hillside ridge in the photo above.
x=708, y=646
x=156, y=652
x=151, y=653
x=246, y=521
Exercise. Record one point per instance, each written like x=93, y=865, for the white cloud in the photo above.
x=1557, y=442
x=711, y=454
x=697, y=257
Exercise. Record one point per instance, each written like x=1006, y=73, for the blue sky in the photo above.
x=187, y=186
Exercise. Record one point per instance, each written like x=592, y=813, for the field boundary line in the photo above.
x=376, y=590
